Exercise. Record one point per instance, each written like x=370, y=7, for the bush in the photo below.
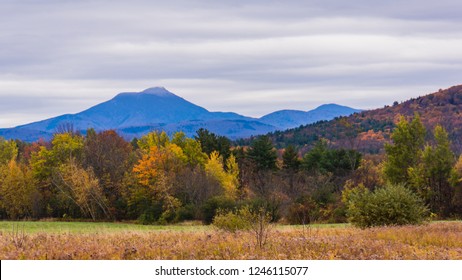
x=259, y=223
x=146, y=219
x=256, y=221
x=211, y=206
x=389, y=205
x=271, y=205
x=231, y=221
x=185, y=213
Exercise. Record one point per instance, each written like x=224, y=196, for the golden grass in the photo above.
x=432, y=241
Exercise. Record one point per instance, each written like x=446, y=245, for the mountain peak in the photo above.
x=329, y=106
x=159, y=91
x=153, y=91
x=137, y=113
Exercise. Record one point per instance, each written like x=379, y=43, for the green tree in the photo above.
x=152, y=139
x=263, y=154
x=67, y=146
x=191, y=148
x=290, y=160
x=261, y=177
x=432, y=177
x=324, y=160
x=45, y=163
x=211, y=142
x=404, y=152
x=316, y=158
x=290, y=167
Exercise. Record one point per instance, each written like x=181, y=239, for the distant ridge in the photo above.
x=294, y=118
x=134, y=114
x=368, y=130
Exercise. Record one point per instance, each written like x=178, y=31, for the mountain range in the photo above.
x=369, y=130
x=134, y=114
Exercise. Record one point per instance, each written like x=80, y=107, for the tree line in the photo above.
x=165, y=179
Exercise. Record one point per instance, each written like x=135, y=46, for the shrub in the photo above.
x=303, y=211
x=230, y=221
x=259, y=221
x=211, y=206
x=146, y=219
x=271, y=205
x=389, y=205
x=256, y=221
x=185, y=213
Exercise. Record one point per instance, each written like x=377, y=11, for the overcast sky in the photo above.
x=251, y=57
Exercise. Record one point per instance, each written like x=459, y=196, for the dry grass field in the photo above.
x=441, y=240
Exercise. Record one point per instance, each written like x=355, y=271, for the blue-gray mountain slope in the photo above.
x=294, y=118
x=135, y=114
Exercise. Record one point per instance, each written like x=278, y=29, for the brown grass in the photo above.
x=433, y=241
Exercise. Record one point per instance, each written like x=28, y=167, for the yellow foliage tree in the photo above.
x=82, y=187
x=8, y=150
x=153, y=139
x=227, y=179
x=16, y=189
x=152, y=173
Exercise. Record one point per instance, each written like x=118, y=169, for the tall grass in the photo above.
x=433, y=241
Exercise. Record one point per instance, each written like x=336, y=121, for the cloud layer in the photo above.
x=252, y=57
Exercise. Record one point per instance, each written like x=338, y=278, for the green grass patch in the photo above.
x=90, y=227
x=116, y=227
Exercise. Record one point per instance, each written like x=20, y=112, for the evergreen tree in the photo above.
x=263, y=154
x=314, y=159
x=337, y=161
x=404, y=153
x=290, y=160
x=211, y=142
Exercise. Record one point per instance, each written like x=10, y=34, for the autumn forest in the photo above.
x=159, y=179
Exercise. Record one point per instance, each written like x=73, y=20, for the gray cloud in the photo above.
x=251, y=57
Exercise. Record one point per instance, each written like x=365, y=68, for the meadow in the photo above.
x=74, y=240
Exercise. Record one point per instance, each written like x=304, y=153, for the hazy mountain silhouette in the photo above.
x=294, y=118
x=134, y=114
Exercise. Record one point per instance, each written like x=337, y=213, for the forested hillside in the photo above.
x=368, y=131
